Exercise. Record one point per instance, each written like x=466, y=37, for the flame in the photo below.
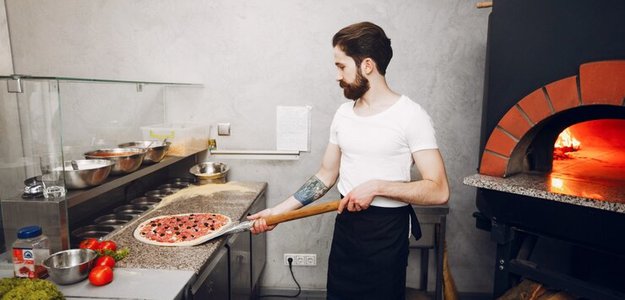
x=565, y=144
x=567, y=140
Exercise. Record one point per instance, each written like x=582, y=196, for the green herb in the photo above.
x=118, y=255
x=27, y=289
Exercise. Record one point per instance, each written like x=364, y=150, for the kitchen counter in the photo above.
x=157, y=272
x=232, y=199
x=605, y=195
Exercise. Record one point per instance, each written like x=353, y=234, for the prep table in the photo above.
x=156, y=272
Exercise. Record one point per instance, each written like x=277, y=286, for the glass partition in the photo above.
x=47, y=120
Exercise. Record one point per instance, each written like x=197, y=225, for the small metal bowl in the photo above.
x=70, y=266
x=145, y=201
x=89, y=172
x=210, y=172
x=131, y=209
x=113, y=219
x=127, y=160
x=156, y=150
x=92, y=231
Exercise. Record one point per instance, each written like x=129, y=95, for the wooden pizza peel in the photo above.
x=240, y=226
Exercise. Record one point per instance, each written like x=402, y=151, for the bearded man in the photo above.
x=374, y=141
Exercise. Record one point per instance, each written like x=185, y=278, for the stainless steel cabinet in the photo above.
x=212, y=283
x=240, y=266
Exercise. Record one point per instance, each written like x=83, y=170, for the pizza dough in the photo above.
x=181, y=230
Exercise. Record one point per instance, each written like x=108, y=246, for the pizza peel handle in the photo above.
x=303, y=212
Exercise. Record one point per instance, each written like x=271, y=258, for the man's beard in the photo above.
x=356, y=89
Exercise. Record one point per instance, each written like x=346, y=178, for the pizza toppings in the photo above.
x=181, y=228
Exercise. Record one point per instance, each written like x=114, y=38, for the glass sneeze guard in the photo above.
x=47, y=119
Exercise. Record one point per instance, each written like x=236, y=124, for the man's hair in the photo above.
x=362, y=40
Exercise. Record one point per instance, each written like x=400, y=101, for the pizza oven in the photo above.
x=551, y=183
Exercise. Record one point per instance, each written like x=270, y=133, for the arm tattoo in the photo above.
x=312, y=190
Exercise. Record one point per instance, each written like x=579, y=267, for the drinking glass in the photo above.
x=52, y=176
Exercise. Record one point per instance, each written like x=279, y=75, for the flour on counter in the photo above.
x=205, y=190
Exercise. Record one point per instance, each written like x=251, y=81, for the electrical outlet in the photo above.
x=308, y=260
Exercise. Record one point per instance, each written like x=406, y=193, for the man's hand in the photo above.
x=360, y=197
x=260, y=225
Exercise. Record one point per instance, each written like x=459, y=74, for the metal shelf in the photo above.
x=75, y=197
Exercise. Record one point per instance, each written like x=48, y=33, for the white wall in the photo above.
x=254, y=55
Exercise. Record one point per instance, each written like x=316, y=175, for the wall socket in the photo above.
x=307, y=260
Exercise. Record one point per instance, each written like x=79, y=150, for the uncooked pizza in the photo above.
x=181, y=230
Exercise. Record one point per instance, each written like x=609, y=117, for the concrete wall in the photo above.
x=254, y=55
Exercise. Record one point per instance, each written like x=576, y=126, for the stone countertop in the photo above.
x=232, y=199
x=600, y=194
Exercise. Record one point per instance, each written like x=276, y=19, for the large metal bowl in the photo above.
x=127, y=160
x=70, y=266
x=156, y=149
x=89, y=173
x=210, y=172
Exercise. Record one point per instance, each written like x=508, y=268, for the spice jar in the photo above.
x=29, y=251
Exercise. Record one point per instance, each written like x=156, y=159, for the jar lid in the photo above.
x=29, y=232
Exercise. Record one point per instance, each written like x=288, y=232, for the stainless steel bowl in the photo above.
x=113, y=219
x=70, y=266
x=127, y=160
x=92, y=231
x=210, y=172
x=156, y=150
x=89, y=173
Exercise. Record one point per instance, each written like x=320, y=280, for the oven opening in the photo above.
x=592, y=149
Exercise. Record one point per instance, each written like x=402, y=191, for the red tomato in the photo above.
x=105, y=261
x=90, y=243
x=108, y=245
x=101, y=275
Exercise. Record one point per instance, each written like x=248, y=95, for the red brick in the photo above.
x=535, y=105
x=500, y=142
x=514, y=123
x=493, y=165
x=563, y=93
x=603, y=82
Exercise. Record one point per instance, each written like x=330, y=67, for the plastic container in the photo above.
x=29, y=251
x=185, y=138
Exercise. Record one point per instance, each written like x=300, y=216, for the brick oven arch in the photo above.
x=599, y=86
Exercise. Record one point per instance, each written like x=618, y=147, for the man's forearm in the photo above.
x=422, y=192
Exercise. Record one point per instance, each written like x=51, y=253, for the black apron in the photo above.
x=369, y=253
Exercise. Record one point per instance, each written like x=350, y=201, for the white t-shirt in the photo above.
x=380, y=146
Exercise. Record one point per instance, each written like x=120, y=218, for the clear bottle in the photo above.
x=29, y=251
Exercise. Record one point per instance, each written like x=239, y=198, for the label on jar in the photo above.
x=24, y=262
x=27, y=262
